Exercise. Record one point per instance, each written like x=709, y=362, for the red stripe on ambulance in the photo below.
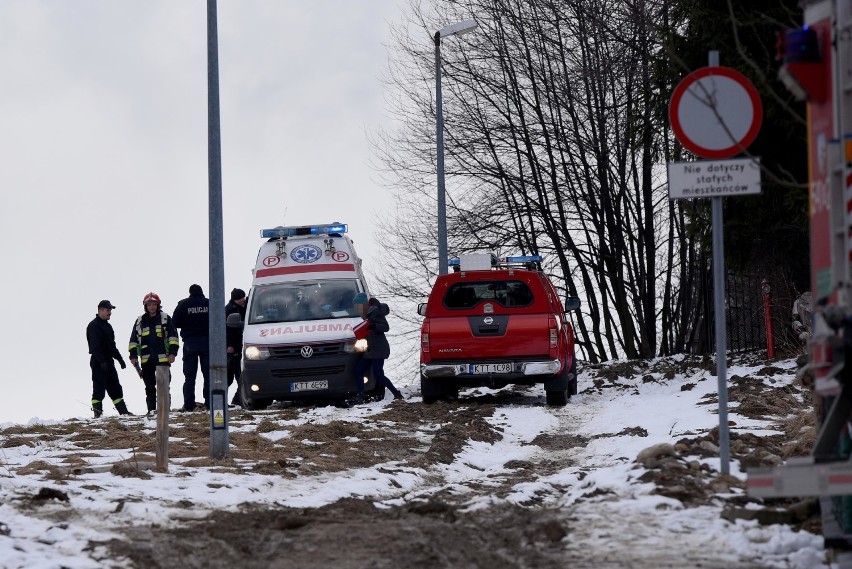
x=314, y=268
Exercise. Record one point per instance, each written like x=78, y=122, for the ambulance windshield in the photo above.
x=303, y=300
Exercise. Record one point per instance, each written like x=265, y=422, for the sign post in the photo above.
x=715, y=112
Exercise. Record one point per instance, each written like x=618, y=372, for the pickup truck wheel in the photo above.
x=558, y=398
x=252, y=404
x=431, y=390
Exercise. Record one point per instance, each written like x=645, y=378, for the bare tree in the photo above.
x=554, y=146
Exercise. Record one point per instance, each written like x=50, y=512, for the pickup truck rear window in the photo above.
x=505, y=293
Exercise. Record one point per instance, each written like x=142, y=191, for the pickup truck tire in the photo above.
x=431, y=390
x=253, y=404
x=434, y=390
x=557, y=398
x=560, y=397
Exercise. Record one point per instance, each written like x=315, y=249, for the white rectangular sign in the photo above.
x=711, y=178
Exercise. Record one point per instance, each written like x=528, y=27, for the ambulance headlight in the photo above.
x=257, y=353
x=361, y=345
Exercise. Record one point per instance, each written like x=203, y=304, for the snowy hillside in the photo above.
x=495, y=480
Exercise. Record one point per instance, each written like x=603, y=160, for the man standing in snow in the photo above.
x=234, y=340
x=192, y=317
x=154, y=340
x=101, y=338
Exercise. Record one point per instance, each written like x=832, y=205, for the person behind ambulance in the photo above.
x=192, y=317
x=101, y=339
x=234, y=340
x=153, y=340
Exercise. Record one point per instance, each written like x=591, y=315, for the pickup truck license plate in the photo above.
x=504, y=367
x=309, y=385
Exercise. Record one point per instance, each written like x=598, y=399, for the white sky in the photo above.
x=103, y=147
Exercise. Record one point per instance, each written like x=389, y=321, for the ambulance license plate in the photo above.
x=479, y=369
x=308, y=385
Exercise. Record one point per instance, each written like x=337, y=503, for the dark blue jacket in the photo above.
x=234, y=336
x=192, y=316
x=378, y=347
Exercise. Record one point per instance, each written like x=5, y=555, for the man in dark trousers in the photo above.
x=192, y=318
x=101, y=338
x=154, y=340
x=234, y=341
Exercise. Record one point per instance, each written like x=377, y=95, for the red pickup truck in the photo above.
x=494, y=322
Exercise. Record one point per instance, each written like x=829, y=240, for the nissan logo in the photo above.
x=307, y=351
x=488, y=320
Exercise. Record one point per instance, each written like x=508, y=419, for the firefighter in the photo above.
x=234, y=340
x=101, y=338
x=193, y=319
x=154, y=341
x=378, y=348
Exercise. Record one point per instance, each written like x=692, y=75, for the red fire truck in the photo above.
x=818, y=67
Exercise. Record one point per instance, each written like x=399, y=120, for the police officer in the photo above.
x=192, y=317
x=101, y=338
x=234, y=340
x=154, y=340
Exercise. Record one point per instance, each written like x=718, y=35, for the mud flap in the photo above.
x=558, y=382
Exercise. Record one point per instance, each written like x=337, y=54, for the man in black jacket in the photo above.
x=101, y=338
x=192, y=318
x=234, y=340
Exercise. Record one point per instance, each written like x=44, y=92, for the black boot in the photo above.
x=97, y=408
x=121, y=407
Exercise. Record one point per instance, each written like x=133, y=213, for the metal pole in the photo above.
x=162, y=375
x=218, y=361
x=719, y=302
x=442, y=194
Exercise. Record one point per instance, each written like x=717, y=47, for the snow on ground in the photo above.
x=616, y=518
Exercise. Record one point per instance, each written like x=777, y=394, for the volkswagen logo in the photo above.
x=488, y=320
x=307, y=351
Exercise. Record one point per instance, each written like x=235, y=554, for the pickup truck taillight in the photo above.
x=554, y=337
x=425, y=356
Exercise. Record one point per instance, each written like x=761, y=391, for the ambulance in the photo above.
x=298, y=339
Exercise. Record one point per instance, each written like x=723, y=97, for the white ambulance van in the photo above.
x=298, y=341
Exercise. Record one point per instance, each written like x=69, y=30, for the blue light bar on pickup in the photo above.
x=453, y=262
x=294, y=231
x=522, y=259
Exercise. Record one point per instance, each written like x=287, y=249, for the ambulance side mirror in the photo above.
x=234, y=321
x=421, y=309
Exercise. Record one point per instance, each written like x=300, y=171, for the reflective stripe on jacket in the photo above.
x=153, y=336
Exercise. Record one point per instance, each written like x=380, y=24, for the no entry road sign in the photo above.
x=715, y=112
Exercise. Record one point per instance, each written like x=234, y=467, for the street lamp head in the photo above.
x=457, y=29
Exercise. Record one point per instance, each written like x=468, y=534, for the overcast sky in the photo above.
x=103, y=146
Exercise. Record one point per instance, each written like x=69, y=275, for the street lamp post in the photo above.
x=451, y=30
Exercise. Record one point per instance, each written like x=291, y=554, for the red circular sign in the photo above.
x=715, y=112
x=271, y=261
x=340, y=256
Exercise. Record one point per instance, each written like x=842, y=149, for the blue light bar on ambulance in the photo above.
x=522, y=259
x=294, y=231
